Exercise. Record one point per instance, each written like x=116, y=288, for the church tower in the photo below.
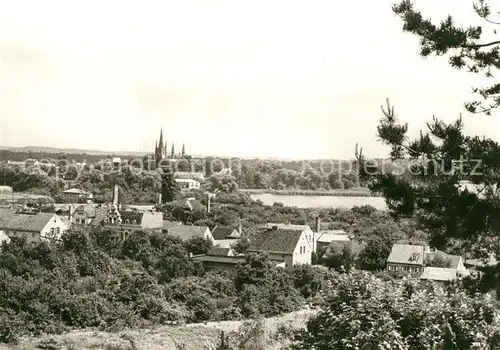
x=160, y=149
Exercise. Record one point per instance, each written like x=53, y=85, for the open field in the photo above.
x=187, y=337
x=352, y=192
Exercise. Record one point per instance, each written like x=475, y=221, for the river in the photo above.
x=320, y=201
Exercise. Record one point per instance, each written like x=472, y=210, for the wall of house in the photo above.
x=152, y=220
x=230, y=268
x=54, y=228
x=461, y=266
x=303, y=250
x=208, y=235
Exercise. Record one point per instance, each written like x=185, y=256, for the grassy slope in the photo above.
x=192, y=336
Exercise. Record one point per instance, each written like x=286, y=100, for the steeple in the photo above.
x=161, y=138
x=172, y=155
x=183, y=151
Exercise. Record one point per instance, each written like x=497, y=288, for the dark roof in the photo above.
x=186, y=232
x=217, y=251
x=220, y=232
x=275, y=240
x=10, y=220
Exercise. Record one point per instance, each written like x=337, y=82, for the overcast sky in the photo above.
x=282, y=78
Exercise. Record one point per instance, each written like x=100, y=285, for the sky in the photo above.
x=275, y=78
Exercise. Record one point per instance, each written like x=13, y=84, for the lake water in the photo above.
x=320, y=201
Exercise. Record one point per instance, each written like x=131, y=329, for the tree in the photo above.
x=438, y=260
x=364, y=312
x=198, y=245
x=374, y=256
x=340, y=257
x=169, y=187
x=466, y=48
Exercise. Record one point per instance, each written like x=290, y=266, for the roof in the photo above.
x=10, y=220
x=220, y=232
x=330, y=237
x=168, y=224
x=100, y=216
x=270, y=225
x=4, y=238
x=439, y=274
x=275, y=240
x=75, y=190
x=186, y=232
x=407, y=254
x=454, y=259
x=186, y=180
x=194, y=204
x=233, y=260
x=217, y=251
x=6, y=189
x=88, y=209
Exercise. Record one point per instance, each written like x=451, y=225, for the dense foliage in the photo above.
x=94, y=279
x=363, y=312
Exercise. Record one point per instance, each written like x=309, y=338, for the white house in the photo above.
x=286, y=247
x=188, y=184
x=308, y=233
x=33, y=226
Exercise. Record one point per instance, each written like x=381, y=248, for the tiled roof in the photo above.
x=186, y=232
x=439, y=274
x=406, y=254
x=10, y=220
x=220, y=232
x=216, y=251
x=275, y=240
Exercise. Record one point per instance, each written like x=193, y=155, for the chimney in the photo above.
x=318, y=224
x=208, y=203
x=115, y=195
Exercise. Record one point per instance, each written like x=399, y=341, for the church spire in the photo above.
x=172, y=154
x=161, y=138
x=183, y=151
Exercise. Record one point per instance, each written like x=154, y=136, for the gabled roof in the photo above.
x=10, y=220
x=275, y=240
x=186, y=232
x=439, y=274
x=194, y=204
x=406, y=254
x=220, y=232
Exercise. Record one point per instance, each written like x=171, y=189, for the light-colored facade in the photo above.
x=188, y=184
x=33, y=226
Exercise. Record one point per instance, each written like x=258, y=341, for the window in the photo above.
x=300, y=250
x=52, y=231
x=58, y=231
x=33, y=234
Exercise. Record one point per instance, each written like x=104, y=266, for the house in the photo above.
x=220, y=259
x=290, y=246
x=76, y=195
x=188, y=184
x=407, y=258
x=225, y=237
x=83, y=214
x=35, y=226
x=301, y=228
x=186, y=232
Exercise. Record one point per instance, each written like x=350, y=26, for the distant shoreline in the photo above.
x=353, y=192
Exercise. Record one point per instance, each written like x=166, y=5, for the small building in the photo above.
x=291, y=227
x=283, y=245
x=326, y=237
x=188, y=184
x=220, y=259
x=441, y=274
x=407, y=258
x=225, y=237
x=76, y=195
x=186, y=232
x=35, y=226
